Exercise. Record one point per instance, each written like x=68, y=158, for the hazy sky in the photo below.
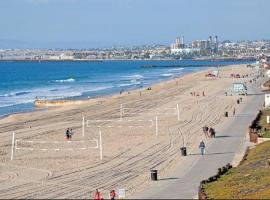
x=97, y=23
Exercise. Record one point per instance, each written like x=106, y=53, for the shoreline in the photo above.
x=104, y=60
x=85, y=99
x=20, y=106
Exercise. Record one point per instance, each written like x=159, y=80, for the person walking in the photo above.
x=233, y=111
x=67, y=133
x=97, y=195
x=212, y=132
x=202, y=147
x=205, y=131
x=112, y=194
x=70, y=133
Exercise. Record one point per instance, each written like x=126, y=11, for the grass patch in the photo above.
x=250, y=180
x=265, y=131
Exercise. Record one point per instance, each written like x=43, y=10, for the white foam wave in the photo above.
x=129, y=84
x=69, y=80
x=167, y=75
x=56, y=92
x=11, y=94
x=125, y=84
x=177, y=69
x=135, y=76
x=86, y=89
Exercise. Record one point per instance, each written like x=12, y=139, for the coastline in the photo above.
x=143, y=74
x=104, y=60
x=84, y=99
x=129, y=154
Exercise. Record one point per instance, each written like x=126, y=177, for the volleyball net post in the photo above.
x=156, y=125
x=12, y=146
x=178, y=112
x=83, y=126
x=100, y=145
x=121, y=112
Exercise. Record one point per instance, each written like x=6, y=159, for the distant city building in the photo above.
x=216, y=43
x=198, y=49
x=156, y=56
x=184, y=51
x=201, y=44
x=209, y=45
x=66, y=57
x=179, y=47
x=179, y=43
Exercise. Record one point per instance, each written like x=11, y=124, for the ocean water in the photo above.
x=22, y=82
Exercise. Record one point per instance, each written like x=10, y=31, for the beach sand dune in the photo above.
x=131, y=147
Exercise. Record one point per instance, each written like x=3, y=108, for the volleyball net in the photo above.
x=54, y=146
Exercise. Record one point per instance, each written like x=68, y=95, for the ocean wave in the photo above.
x=134, y=77
x=12, y=94
x=125, y=84
x=98, y=88
x=167, y=75
x=59, y=92
x=129, y=84
x=54, y=90
x=177, y=69
x=69, y=80
x=22, y=97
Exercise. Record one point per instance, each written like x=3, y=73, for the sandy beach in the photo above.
x=145, y=134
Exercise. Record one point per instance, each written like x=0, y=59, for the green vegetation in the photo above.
x=250, y=180
x=265, y=128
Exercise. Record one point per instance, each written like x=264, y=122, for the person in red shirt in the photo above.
x=97, y=195
x=112, y=194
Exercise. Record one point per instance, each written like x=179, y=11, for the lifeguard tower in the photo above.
x=215, y=72
x=239, y=88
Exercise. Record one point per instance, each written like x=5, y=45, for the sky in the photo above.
x=103, y=23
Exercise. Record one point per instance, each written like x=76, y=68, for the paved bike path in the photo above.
x=230, y=140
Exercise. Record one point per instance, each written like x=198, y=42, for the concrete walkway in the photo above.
x=230, y=141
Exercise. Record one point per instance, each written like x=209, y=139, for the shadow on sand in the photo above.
x=256, y=94
x=165, y=179
x=209, y=154
x=222, y=136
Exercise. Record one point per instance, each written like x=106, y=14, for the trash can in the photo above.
x=183, y=151
x=238, y=101
x=226, y=114
x=154, y=175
